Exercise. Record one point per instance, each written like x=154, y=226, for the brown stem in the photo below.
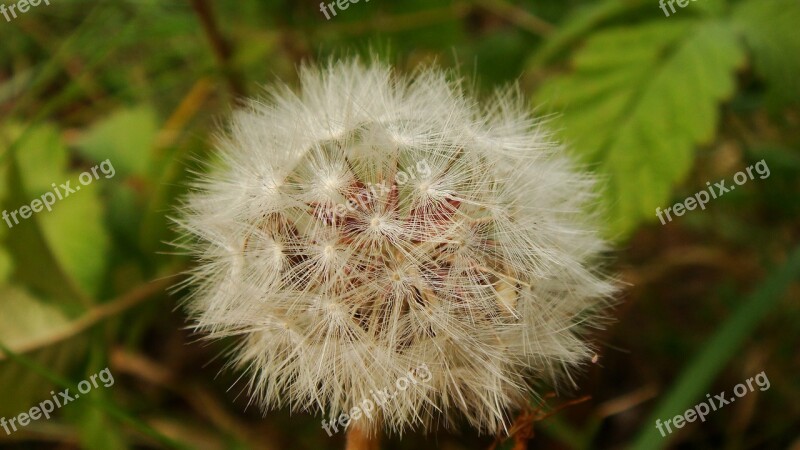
x=360, y=439
x=520, y=17
x=221, y=48
x=95, y=315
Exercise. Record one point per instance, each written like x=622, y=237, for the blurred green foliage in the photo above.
x=655, y=105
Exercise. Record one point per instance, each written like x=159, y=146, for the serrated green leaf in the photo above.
x=591, y=15
x=126, y=137
x=637, y=114
x=770, y=30
x=578, y=24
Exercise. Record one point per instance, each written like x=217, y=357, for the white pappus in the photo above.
x=483, y=264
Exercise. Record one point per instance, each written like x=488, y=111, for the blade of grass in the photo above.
x=66, y=95
x=50, y=70
x=698, y=375
x=112, y=410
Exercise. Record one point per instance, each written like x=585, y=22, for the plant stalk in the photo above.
x=360, y=439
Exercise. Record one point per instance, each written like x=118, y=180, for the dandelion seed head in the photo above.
x=374, y=222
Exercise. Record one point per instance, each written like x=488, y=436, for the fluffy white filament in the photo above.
x=465, y=246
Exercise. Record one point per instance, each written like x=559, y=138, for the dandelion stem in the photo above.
x=360, y=439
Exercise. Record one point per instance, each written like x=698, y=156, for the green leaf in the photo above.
x=712, y=7
x=6, y=263
x=42, y=157
x=126, y=138
x=77, y=235
x=698, y=375
x=637, y=114
x=578, y=24
x=26, y=320
x=97, y=431
x=770, y=30
x=62, y=252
